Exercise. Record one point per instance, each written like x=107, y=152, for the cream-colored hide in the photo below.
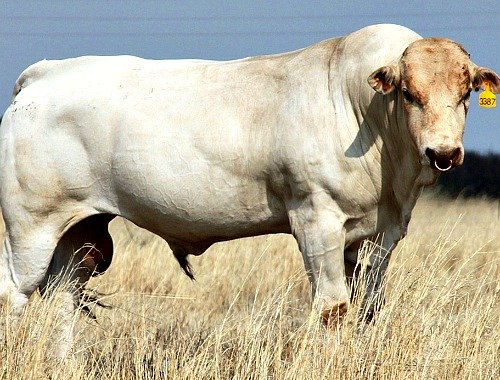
x=331, y=143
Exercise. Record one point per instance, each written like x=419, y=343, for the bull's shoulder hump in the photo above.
x=388, y=32
x=374, y=46
x=381, y=38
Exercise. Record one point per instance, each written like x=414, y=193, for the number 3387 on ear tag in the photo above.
x=487, y=99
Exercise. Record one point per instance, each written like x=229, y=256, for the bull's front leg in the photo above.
x=318, y=226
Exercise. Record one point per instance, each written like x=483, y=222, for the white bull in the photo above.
x=200, y=152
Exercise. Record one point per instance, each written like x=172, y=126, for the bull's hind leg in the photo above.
x=85, y=250
x=26, y=255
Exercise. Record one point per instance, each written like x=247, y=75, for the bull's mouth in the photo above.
x=441, y=163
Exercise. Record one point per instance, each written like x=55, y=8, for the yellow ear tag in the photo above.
x=487, y=99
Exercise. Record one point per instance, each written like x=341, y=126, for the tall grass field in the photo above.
x=249, y=313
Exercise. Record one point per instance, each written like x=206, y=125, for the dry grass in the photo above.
x=248, y=314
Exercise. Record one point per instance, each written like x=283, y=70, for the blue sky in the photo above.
x=33, y=30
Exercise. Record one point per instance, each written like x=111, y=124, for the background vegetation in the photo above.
x=478, y=176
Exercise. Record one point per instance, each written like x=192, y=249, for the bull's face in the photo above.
x=434, y=78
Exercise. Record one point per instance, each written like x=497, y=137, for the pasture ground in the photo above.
x=248, y=314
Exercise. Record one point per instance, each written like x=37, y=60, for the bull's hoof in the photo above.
x=333, y=315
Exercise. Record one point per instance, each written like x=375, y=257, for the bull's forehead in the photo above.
x=433, y=65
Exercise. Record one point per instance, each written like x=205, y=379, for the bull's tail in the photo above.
x=17, y=86
x=28, y=76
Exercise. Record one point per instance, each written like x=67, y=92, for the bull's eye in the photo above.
x=408, y=97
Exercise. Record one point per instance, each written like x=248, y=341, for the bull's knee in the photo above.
x=333, y=315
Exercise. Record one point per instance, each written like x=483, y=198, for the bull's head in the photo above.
x=434, y=78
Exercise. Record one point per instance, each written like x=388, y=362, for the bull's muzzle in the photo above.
x=444, y=160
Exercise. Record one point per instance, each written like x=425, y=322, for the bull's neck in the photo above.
x=402, y=177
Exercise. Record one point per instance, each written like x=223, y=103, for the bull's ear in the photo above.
x=384, y=79
x=483, y=74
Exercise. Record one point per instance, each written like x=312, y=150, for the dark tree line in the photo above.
x=478, y=176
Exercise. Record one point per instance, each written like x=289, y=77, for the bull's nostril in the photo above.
x=455, y=154
x=442, y=155
x=431, y=154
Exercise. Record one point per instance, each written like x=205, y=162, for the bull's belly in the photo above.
x=203, y=213
x=202, y=225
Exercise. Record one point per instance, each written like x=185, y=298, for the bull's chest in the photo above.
x=386, y=217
